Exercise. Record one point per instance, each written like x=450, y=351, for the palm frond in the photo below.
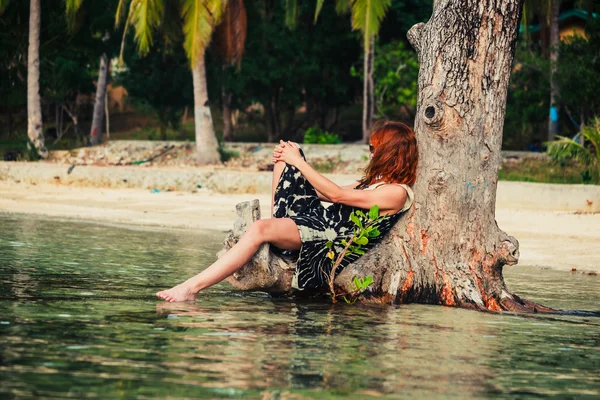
x=342, y=6
x=367, y=16
x=146, y=16
x=125, y=31
x=72, y=9
x=121, y=12
x=230, y=34
x=3, y=5
x=318, y=9
x=72, y=6
x=592, y=134
x=199, y=20
x=567, y=148
x=291, y=13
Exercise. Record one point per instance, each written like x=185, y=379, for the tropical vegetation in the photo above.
x=316, y=71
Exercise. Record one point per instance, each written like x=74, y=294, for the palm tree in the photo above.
x=34, y=102
x=200, y=17
x=366, y=17
x=567, y=148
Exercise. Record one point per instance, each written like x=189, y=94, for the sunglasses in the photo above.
x=371, y=148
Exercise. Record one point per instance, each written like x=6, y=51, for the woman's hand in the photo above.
x=288, y=152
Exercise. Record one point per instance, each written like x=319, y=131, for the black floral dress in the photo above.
x=295, y=198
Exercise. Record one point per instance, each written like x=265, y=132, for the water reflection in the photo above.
x=78, y=319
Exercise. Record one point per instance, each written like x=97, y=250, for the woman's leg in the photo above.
x=277, y=171
x=281, y=232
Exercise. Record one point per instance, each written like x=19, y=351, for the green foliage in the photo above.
x=316, y=135
x=364, y=229
x=578, y=75
x=395, y=75
x=360, y=284
x=200, y=17
x=160, y=82
x=528, y=99
x=587, y=153
x=547, y=171
x=367, y=16
x=226, y=154
x=282, y=70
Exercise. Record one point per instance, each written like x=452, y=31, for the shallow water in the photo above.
x=78, y=319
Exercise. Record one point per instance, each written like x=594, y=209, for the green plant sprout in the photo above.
x=364, y=230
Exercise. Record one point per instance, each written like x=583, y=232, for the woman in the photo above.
x=301, y=226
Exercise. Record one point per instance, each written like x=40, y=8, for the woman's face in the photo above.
x=371, y=151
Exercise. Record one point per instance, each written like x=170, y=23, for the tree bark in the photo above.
x=206, y=140
x=34, y=103
x=554, y=92
x=98, y=117
x=447, y=249
x=368, y=92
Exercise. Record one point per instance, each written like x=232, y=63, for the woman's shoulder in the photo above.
x=410, y=197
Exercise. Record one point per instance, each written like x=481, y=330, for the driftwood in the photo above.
x=266, y=271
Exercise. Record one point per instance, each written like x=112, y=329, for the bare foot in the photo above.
x=181, y=292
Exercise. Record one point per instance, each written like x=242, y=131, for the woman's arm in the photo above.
x=322, y=197
x=390, y=198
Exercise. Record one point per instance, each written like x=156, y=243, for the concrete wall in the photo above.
x=548, y=196
x=520, y=195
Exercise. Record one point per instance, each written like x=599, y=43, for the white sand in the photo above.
x=556, y=240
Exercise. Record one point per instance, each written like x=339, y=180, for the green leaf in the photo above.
x=145, y=17
x=374, y=233
x=291, y=13
x=362, y=240
x=329, y=245
x=367, y=16
x=374, y=212
x=317, y=9
x=356, y=221
x=200, y=17
x=359, y=251
x=368, y=280
x=361, y=214
x=72, y=7
x=344, y=242
x=356, y=282
x=3, y=5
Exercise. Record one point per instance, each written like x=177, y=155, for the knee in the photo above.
x=259, y=230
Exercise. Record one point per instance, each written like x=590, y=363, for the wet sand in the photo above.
x=557, y=240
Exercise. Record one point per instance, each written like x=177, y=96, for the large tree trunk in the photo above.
x=447, y=249
x=98, y=117
x=368, y=91
x=554, y=93
x=206, y=140
x=34, y=103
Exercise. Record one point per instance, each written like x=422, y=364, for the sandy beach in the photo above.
x=558, y=240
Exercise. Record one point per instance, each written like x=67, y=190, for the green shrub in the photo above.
x=318, y=136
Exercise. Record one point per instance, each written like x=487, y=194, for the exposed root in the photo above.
x=514, y=303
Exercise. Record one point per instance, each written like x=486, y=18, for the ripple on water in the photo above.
x=84, y=323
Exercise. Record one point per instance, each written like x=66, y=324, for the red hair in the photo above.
x=395, y=155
